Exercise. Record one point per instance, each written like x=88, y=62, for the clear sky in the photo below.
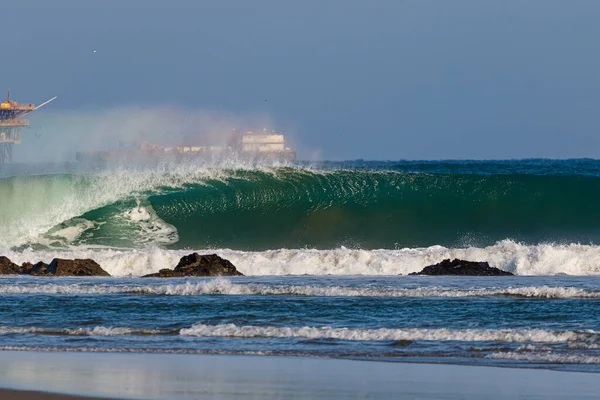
x=348, y=79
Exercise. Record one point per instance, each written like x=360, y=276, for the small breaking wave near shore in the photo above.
x=518, y=258
x=328, y=332
x=221, y=286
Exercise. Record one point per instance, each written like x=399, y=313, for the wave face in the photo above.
x=369, y=206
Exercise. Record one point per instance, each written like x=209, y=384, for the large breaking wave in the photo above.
x=270, y=208
x=302, y=220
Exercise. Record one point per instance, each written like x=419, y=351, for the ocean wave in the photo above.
x=95, y=331
x=328, y=332
x=386, y=334
x=258, y=208
x=220, y=286
x=547, y=357
x=226, y=287
x=34, y=208
x=518, y=258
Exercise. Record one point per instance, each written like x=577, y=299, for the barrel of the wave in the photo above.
x=294, y=208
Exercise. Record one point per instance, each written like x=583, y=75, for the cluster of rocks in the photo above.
x=190, y=265
x=462, y=267
x=57, y=267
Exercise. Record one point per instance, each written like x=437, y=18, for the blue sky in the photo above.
x=348, y=79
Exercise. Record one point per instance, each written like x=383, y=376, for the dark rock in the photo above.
x=87, y=267
x=206, y=265
x=164, y=273
x=38, y=269
x=197, y=265
x=58, y=267
x=461, y=267
x=8, y=267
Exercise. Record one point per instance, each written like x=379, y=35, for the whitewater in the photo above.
x=518, y=258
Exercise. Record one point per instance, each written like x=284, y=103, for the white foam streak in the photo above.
x=96, y=331
x=227, y=287
x=468, y=335
x=547, y=357
x=328, y=332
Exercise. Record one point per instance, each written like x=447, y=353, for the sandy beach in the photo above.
x=160, y=376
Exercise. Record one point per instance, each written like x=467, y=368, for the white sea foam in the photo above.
x=50, y=288
x=95, y=331
x=227, y=287
x=546, y=357
x=543, y=259
x=68, y=233
x=146, y=227
x=327, y=332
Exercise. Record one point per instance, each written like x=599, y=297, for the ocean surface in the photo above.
x=326, y=249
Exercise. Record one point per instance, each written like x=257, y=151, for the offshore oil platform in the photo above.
x=11, y=122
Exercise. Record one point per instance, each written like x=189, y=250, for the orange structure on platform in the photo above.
x=11, y=122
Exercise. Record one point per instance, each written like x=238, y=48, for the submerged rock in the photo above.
x=199, y=265
x=462, y=267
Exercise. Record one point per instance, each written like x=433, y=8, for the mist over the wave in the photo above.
x=56, y=136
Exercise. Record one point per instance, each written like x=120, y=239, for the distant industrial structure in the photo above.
x=249, y=145
x=246, y=145
x=11, y=122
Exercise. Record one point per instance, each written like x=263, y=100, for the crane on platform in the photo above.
x=11, y=122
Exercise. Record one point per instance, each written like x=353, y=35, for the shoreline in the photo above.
x=406, y=360
x=16, y=394
x=45, y=376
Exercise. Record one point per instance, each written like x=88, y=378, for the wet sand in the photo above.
x=183, y=377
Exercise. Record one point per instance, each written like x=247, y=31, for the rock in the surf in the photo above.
x=38, y=269
x=462, y=267
x=58, y=267
x=199, y=265
x=7, y=267
x=77, y=267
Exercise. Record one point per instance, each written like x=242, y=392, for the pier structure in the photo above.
x=11, y=123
